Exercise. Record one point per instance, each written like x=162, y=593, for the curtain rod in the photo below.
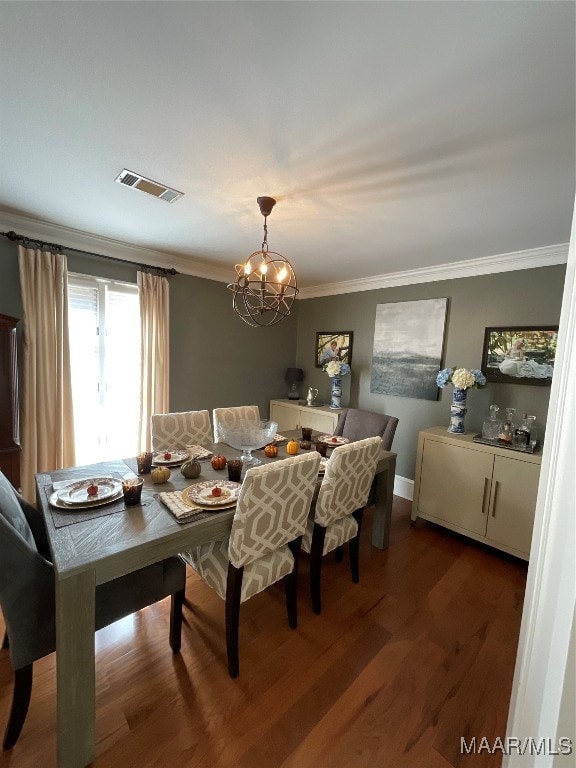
x=54, y=246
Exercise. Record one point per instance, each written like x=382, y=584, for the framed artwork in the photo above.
x=407, y=351
x=520, y=354
x=333, y=345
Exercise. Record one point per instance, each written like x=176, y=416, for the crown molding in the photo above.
x=73, y=238
x=551, y=255
x=85, y=241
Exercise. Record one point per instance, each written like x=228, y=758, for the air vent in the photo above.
x=154, y=188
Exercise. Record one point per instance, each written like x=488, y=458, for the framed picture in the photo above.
x=333, y=345
x=520, y=354
x=408, y=344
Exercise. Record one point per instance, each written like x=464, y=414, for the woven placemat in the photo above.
x=176, y=504
x=62, y=518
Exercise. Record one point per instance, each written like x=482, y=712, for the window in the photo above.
x=104, y=322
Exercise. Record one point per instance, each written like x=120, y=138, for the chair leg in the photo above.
x=5, y=641
x=20, y=703
x=233, y=593
x=291, y=584
x=339, y=553
x=176, y=603
x=316, y=551
x=354, y=546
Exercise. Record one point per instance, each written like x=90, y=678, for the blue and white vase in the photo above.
x=458, y=411
x=336, y=393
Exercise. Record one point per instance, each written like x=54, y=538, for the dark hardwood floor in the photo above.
x=394, y=671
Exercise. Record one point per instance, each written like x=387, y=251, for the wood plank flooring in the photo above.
x=394, y=671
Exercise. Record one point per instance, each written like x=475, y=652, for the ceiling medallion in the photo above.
x=265, y=286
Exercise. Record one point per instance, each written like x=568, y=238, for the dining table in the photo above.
x=96, y=545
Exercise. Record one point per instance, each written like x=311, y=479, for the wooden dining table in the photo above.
x=87, y=552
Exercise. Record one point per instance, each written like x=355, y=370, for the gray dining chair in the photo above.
x=264, y=543
x=356, y=424
x=27, y=597
x=338, y=508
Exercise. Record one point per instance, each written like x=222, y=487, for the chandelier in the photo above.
x=265, y=286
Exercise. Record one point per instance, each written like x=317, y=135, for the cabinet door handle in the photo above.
x=496, y=486
x=484, y=496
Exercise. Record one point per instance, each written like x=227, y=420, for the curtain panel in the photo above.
x=155, y=341
x=47, y=419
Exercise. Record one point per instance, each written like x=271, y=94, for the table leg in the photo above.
x=383, y=505
x=75, y=669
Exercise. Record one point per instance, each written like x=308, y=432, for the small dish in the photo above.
x=332, y=440
x=77, y=493
x=201, y=493
x=54, y=501
x=176, y=457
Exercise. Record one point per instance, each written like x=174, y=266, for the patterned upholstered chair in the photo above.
x=177, y=430
x=357, y=425
x=27, y=597
x=338, y=508
x=264, y=543
x=230, y=417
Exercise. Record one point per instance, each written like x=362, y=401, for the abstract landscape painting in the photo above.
x=408, y=339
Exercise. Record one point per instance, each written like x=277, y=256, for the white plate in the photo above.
x=279, y=438
x=332, y=440
x=201, y=493
x=176, y=457
x=77, y=493
x=54, y=501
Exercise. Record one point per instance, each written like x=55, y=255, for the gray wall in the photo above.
x=215, y=358
x=513, y=298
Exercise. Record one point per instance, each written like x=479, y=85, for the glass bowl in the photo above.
x=248, y=436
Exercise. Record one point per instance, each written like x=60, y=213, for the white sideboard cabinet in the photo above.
x=291, y=414
x=482, y=491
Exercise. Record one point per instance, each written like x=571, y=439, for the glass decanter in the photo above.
x=492, y=425
x=507, y=432
x=533, y=432
x=510, y=417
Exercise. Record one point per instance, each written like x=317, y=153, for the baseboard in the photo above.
x=404, y=487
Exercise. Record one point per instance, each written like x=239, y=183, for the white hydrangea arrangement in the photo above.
x=337, y=368
x=461, y=378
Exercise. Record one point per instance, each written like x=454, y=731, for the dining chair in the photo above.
x=264, y=543
x=177, y=430
x=230, y=417
x=338, y=508
x=27, y=597
x=356, y=424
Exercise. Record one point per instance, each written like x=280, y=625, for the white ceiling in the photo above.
x=394, y=135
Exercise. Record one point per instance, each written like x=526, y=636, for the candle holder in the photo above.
x=144, y=462
x=132, y=490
